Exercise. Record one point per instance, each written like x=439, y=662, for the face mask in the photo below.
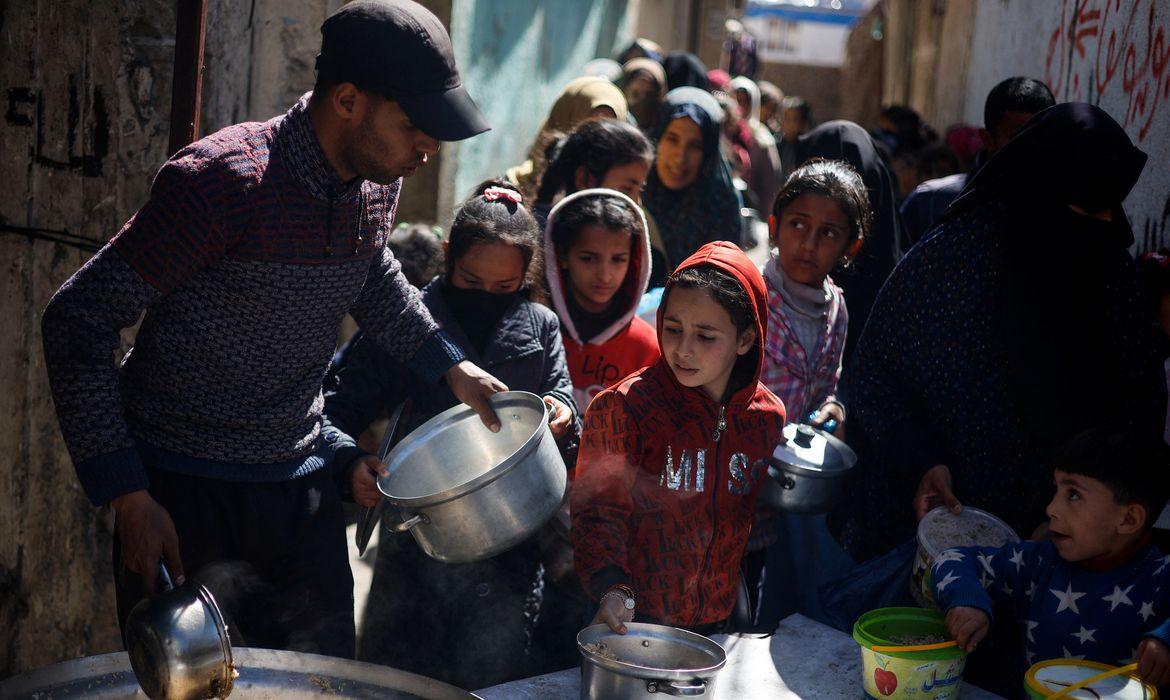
x=478, y=312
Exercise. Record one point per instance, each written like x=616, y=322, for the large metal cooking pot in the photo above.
x=807, y=474
x=178, y=644
x=466, y=493
x=265, y=674
x=647, y=662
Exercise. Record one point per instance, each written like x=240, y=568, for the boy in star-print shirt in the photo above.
x=1096, y=589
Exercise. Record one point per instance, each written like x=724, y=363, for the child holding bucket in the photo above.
x=420, y=609
x=1096, y=588
x=671, y=456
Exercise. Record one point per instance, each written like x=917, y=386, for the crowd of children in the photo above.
x=664, y=429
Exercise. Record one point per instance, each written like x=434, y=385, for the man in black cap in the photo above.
x=256, y=241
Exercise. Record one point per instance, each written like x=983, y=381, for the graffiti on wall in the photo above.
x=1102, y=46
x=83, y=143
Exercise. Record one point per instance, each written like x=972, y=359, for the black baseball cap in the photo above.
x=400, y=49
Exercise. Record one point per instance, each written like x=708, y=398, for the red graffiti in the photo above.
x=1102, y=46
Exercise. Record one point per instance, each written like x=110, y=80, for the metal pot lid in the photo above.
x=813, y=452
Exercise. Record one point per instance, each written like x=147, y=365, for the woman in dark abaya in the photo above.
x=685, y=70
x=1018, y=322
x=689, y=191
x=861, y=280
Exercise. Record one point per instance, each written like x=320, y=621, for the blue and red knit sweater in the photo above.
x=246, y=258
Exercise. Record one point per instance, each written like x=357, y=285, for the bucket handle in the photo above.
x=1093, y=679
x=685, y=689
x=420, y=519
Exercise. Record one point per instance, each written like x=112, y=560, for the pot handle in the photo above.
x=787, y=483
x=685, y=689
x=165, y=577
x=419, y=519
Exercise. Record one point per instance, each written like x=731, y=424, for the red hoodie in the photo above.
x=629, y=343
x=662, y=501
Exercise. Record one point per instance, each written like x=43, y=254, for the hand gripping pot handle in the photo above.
x=685, y=689
x=406, y=525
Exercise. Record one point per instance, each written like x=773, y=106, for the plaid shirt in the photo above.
x=803, y=384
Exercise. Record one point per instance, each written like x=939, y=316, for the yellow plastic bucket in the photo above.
x=1049, y=677
x=918, y=675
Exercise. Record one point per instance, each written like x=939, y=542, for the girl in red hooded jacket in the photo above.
x=669, y=467
x=598, y=263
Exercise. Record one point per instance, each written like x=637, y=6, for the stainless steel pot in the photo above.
x=466, y=493
x=807, y=474
x=647, y=662
x=178, y=644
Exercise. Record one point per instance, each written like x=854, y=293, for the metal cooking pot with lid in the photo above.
x=647, y=662
x=178, y=644
x=807, y=474
x=466, y=493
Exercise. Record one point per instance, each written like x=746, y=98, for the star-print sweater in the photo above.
x=1065, y=610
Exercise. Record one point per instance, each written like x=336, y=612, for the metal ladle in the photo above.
x=178, y=644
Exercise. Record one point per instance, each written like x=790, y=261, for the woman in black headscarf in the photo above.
x=689, y=191
x=844, y=140
x=1016, y=324
x=685, y=70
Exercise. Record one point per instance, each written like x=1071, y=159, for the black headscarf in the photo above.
x=1073, y=153
x=707, y=210
x=844, y=140
x=1065, y=273
x=685, y=70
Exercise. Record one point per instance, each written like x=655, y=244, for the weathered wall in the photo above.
x=515, y=58
x=1113, y=53
x=87, y=94
x=819, y=85
x=927, y=52
x=860, y=85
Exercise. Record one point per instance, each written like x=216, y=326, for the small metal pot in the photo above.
x=178, y=644
x=466, y=493
x=807, y=474
x=647, y=662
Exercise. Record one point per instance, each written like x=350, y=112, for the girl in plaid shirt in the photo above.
x=819, y=220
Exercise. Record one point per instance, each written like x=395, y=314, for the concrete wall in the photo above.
x=1112, y=54
x=87, y=92
x=1108, y=52
x=860, y=86
x=515, y=58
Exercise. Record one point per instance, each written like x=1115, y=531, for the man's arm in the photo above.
x=173, y=237
x=390, y=310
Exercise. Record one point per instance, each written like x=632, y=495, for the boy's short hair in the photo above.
x=1018, y=94
x=1132, y=465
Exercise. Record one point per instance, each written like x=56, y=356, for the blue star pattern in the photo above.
x=1066, y=611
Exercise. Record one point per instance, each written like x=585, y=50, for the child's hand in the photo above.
x=831, y=410
x=967, y=626
x=613, y=612
x=560, y=418
x=935, y=490
x=1153, y=659
x=363, y=479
